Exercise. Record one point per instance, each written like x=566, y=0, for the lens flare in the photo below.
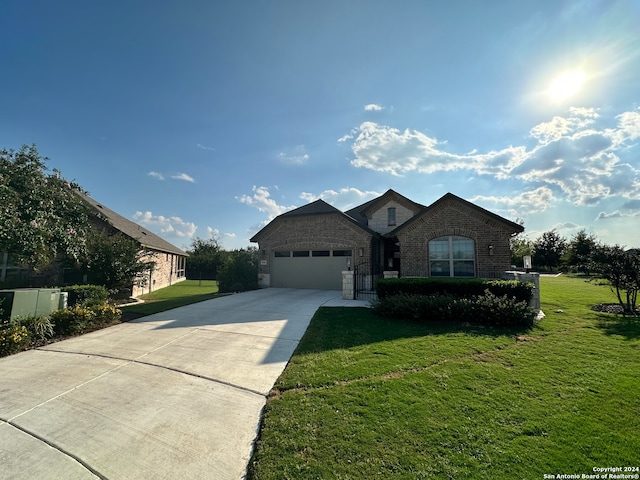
x=566, y=85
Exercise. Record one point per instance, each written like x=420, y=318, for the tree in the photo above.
x=622, y=270
x=115, y=261
x=579, y=250
x=41, y=214
x=205, y=258
x=548, y=248
x=239, y=271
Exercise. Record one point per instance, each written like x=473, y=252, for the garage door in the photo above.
x=320, y=269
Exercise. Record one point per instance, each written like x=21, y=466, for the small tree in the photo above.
x=239, y=271
x=205, y=258
x=622, y=270
x=41, y=214
x=548, y=248
x=116, y=261
x=520, y=246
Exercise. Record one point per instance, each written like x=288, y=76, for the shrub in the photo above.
x=72, y=320
x=39, y=327
x=106, y=313
x=13, y=338
x=486, y=309
x=79, y=318
x=86, y=294
x=464, y=288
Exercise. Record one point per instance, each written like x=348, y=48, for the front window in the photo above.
x=451, y=256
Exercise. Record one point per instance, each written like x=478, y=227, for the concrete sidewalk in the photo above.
x=177, y=394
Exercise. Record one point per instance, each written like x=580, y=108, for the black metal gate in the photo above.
x=364, y=276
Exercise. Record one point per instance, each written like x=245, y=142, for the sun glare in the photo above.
x=566, y=85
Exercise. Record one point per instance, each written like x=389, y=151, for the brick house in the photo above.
x=170, y=261
x=310, y=246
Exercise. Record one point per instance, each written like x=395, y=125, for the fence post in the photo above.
x=348, y=287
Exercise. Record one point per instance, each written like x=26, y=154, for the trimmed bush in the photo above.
x=486, y=309
x=462, y=288
x=13, y=338
x=86, y=294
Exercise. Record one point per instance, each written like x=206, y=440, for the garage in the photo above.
x=319, y=269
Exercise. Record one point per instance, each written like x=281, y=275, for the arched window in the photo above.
x=451, y=256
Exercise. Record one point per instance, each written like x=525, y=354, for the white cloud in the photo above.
x=183, y=176
x=294, y=156
x=202, y=147
x=616, y=214
x=157, y=175
x=173, y=226
x=343, y=199
x=261, y=199
x=217, y=235
x=373, y=107
x=533, y=201
x=571, y=154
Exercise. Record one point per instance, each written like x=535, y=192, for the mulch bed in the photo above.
x=610, y=308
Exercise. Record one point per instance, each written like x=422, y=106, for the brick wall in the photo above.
x=453, y=218
x=169, y=269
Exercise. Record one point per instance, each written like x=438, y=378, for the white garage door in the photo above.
x=320, y=269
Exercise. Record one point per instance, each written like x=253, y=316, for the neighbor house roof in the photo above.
x=146, y=238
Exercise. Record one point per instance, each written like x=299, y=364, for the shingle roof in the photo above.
x=131, y=229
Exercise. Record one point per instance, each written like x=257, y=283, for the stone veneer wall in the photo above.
x=379, y=220
x=453, y=218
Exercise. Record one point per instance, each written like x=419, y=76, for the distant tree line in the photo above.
x=584, y=254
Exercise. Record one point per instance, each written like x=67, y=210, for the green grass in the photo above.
x=178, y=295
x=368, y=397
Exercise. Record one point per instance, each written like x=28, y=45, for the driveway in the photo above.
x=177, y=394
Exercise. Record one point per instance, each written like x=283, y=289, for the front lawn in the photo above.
x=368, y=397
x=177, y=295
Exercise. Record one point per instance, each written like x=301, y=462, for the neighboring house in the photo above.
x=170, y=261
x=310, y=246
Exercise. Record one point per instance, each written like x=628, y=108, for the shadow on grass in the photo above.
x=344, y=327
x=150, y=307
x=613, y=324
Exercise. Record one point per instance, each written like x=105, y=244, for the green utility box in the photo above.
x=30, y=301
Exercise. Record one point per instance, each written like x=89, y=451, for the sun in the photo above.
x=566, y=85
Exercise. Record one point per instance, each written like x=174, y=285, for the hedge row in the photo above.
x=461, y=288
x=486, y=309
x=85, y=294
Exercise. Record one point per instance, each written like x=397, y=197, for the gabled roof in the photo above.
x=360, y=212
x=450, y=196
x=319, y=207
x=131, y=229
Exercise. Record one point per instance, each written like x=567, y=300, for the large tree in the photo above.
x=579, y=250
x=205, y=259
x=548, y=248
x=41, y=214
x=622, y=270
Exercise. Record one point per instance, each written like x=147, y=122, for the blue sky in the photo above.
x=201, y=118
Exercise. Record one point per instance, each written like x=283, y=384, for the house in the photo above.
x=310, y=246
x=170, y=261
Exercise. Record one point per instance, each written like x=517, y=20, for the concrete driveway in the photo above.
x=174, y=395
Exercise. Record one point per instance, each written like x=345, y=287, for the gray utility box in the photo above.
x=31, y=301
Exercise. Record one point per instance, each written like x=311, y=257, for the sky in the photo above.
x=206, y=119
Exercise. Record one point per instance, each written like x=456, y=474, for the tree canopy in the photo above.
x=40, y=213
